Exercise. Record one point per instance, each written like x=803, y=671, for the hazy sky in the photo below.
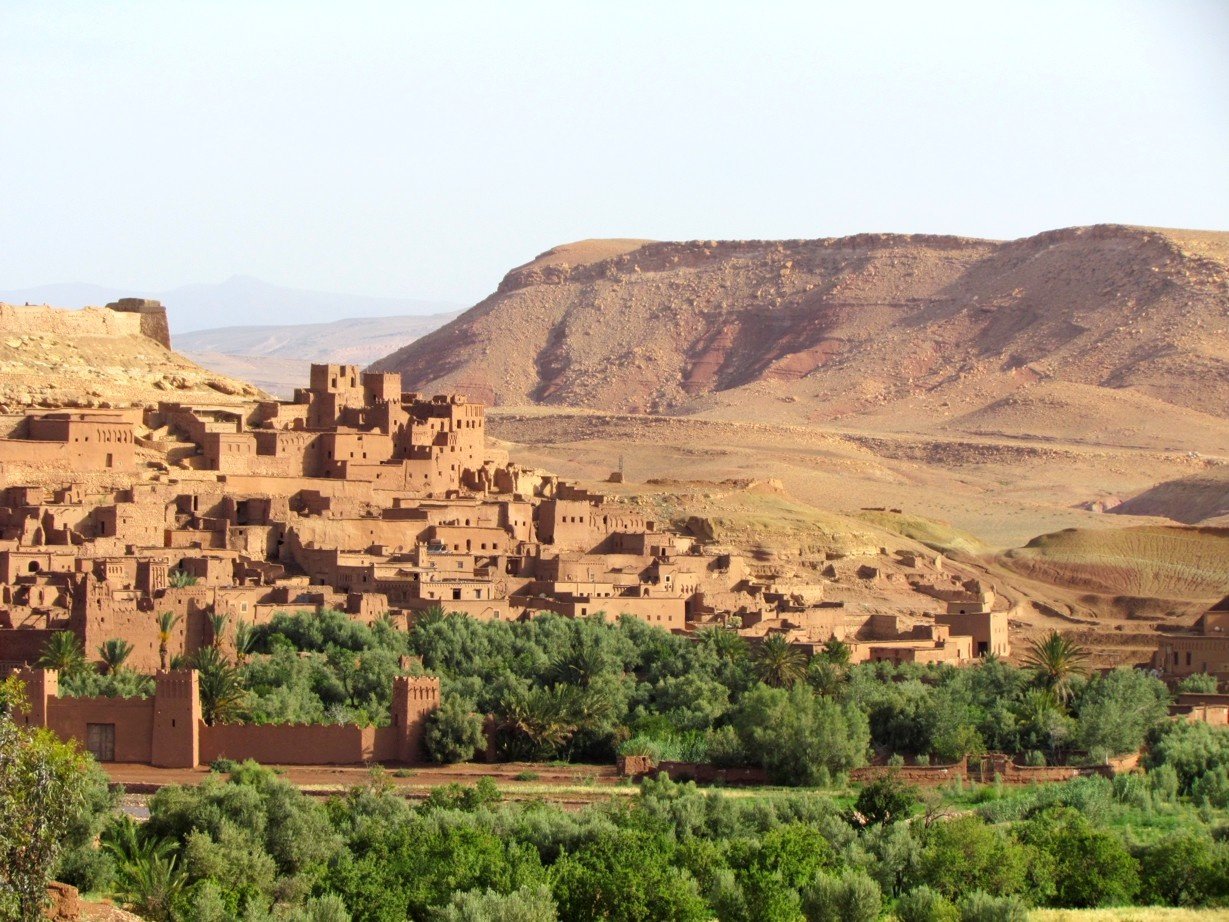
x=422, y=150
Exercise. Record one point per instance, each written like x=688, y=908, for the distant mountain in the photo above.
x=239, y=300
x=276, y=358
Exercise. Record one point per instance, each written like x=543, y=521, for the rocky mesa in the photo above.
x=1046, y=331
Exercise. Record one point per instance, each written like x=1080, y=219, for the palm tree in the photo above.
x=244, y=640
x=217, y=627
x=837, y=652
x=113, y=654
x=181, y=580
x=166, y=623
x=1056, y=661
x=221, y=687
x=147, y=875
x=63, y=653
x=777, y=662
x=539, y=723
x=726, y=643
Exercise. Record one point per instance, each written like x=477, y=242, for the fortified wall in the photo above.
x=167, y=730
x=126, y=317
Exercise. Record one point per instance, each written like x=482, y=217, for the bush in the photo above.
x=725, y=749
x=223, y=765
x=925, y=905
x=982, y=907
x=453, y=732
x=885, y=800
x=1090, y=868
x=1184, y=869
x=965, y=855
x=851, y=897
x=1199, y=683
x=523, y=905
x=1192, y=749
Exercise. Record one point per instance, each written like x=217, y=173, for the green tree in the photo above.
x=778, y=663
x=1091, y=867
x=244, y=640
x=1115, y=712
x=837, y=652
x=885, y=800
x=1199, y=683
x=114, y=653
x=220, y=686
x=1056, y=661
x=166, y=624
x=964, y=855
x=800, y=737
x=41, y=792
x=63, y=653
x=627, y=877
x=217, y=628
x=147, y=876
x=453, y=732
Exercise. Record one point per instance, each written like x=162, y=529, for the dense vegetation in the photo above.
x=247, y=845
x=555, y=688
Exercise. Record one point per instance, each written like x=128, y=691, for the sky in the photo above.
x=422, y=150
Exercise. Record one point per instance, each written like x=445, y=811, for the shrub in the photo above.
x=885, y=800
x=922, y=904
x=965, y=855
x=851, y=897
x=223, y=765
x=1192, y=749
x=524, y=905
x=453, y=732
x=982, y=907
x=1199, y=683
x=1183, y=869
x=1090, y=868
x=725, y=749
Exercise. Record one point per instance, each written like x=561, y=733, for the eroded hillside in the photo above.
x=933, y=329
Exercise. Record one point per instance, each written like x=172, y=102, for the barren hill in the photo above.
x=910, y=329
x=96, y=357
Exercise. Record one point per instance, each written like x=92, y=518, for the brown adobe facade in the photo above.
x=1203, y=649
x=359, y=498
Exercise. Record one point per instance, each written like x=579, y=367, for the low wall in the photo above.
x=299, y=744
x=639, y=767
x=981, y=769
x=288, y=744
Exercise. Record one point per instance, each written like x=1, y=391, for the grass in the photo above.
x=1133, y=914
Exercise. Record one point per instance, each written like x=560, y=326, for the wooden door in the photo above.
x=100, y=741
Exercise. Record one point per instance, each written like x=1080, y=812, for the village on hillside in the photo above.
x=387, y=506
